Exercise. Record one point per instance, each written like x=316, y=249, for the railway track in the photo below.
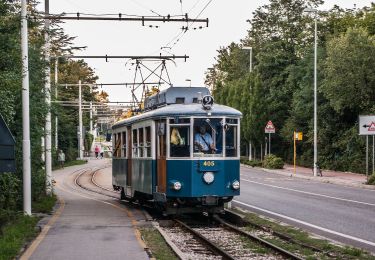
x=199, y=240
x=91, y=180
x=220, y=240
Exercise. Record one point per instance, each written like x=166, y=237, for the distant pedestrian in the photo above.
x=61, y=158
x=97, y=150
x=101, y=152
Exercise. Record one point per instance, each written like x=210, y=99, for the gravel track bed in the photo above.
x=233, y=244
x=190, y=246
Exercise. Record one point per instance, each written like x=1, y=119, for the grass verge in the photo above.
x=44, y=205
x=21, y=229
x=70, y=163
x=15, y=234
x=156, y=243
x=328, y=249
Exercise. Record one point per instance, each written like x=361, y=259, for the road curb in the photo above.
x=318, y=179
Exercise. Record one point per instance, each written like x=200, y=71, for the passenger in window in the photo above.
x=203, y=141
x=176, y=137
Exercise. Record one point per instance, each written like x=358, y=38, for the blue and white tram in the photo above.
x=156, y=155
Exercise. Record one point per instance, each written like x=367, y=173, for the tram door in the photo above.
x=129, y=164
x=161, y=156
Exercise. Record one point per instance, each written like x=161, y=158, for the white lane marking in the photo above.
x=310, y=193
x=308, y=224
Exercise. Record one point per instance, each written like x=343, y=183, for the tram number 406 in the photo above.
x=208, y=163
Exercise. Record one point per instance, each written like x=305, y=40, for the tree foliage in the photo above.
x=11, y=99
x=280, y=87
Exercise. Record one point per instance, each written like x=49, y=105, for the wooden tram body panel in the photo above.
x=147, y=166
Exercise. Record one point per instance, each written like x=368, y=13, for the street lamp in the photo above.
x=251, y=56
x=250, y=69
x=311, y=10
x=189, y=81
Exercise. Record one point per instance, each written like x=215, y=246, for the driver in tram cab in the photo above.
x=203, y=141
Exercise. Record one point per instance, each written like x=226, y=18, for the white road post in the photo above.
x=56, y=118
x=48, y=125
x=91, y=123
x=25, y=113
x=80, y=132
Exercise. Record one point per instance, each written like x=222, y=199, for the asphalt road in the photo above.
x=337, y=212
x=90, y=226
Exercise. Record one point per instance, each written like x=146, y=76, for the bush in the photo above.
x=371, y=179
x=273, y=162
x=252, y=163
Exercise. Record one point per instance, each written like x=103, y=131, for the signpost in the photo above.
x=297, y=136
x=269, y=129
x=367, y=127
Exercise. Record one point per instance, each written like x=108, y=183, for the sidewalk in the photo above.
x=335, y=177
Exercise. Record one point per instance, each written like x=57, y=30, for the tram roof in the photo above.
x=181, y=110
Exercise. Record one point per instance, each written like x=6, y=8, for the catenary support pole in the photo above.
x=25, y=113
x=48, y=125
x=56, y=118
x=80, y=132
x=91, y=123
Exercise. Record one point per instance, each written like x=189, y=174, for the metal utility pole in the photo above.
x=80, y=130
x=56, y=118
x=48, y=125
x=315, y=11
x=25, y=113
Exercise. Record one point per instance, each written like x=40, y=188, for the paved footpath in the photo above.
x=86, y=225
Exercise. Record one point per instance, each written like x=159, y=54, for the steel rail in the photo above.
x=211, y=245
x=76, y=181
x=258, y=239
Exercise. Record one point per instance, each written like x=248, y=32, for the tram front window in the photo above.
x=231, y=140
x=179, y=141
x=208, y=137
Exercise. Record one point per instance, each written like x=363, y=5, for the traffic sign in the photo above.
x=366, y=125
x=270, y=128
x=298, y=136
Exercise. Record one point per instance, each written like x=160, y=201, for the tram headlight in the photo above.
x=209, y=177
x=236, y=185
x=177, y=185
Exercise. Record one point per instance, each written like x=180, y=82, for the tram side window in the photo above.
x=179, y=141
x=135, y=143
x=148, y=141
x=231, y=141
x=117, y=147
x=124, y=144
x=141, y=143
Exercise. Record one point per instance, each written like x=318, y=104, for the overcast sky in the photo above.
x=227, y=24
